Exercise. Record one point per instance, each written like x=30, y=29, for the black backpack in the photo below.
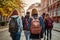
x=13, y=25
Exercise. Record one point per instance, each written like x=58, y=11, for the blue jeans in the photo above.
x=27, y=35
x=16, y=36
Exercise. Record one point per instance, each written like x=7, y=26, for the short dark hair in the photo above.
x=43, y=14
x=47, y=14
x=28, y=13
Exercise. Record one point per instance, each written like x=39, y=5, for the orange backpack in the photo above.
x=35, y=26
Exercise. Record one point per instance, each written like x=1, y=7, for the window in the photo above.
x=55, y=0
x=50, y=12
x=54, y=11
x=59, y=11
x=49, y=2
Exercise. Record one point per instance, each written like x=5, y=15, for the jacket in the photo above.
x=42, y=24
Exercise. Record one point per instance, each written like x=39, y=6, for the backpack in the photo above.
x=13, y=25
x=35, y=26
x=25, y=24
x=49, y=23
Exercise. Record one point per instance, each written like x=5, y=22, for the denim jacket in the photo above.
x=42, y=23
x=19, y=21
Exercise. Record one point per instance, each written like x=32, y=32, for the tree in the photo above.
x=7, y=6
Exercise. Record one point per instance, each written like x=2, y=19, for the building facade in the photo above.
x=52, y=7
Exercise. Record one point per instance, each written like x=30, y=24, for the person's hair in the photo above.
x=26, y=17
x=15, y=12
x=34, y=12
x=43, y=14
x=47, y=14
x=27, y=12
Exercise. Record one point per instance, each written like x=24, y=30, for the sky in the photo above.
x=29, y=2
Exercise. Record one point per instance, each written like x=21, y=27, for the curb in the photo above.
x=4, y=29
x=56, y=30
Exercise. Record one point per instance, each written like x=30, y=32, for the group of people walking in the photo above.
x=34, y=27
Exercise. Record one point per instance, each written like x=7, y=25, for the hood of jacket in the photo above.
x=15, y=16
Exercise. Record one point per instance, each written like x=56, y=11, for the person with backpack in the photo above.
x=25, y=26
x=35, y=28
x=15, y=26
x=35, y=24
x=22, y=19
x=49, y=26
x=43, y=34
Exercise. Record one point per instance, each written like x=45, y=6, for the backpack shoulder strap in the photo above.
x=33, y=18
x=37, y=19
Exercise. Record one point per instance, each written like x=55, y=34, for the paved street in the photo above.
x=56, y=26
x=56, y=35
x=5, y=35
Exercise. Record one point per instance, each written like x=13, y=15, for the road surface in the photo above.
x=5, y=35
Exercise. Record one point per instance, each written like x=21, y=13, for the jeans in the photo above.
x=16, y=36
x=27, y=35
x=49, y=34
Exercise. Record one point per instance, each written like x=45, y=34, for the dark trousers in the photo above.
x=49, y=34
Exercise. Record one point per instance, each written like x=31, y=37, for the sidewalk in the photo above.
x=56, y=27
x=3, y=28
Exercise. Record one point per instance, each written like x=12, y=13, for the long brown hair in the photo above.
x=15, y=12
x=34, y=11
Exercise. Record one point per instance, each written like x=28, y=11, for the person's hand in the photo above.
x=20, y=30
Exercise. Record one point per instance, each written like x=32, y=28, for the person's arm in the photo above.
x=42, y=23
x=29, y=22
x=20, y=24
x=9, y=20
